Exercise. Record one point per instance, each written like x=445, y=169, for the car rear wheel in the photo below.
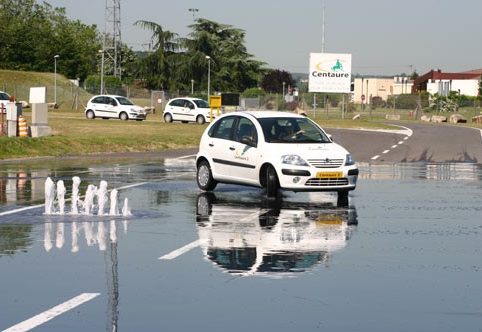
x=272, y=183
x=200, y=119
x=204, y=176
x=167, y=118
x=123, y=116
x=90, y=114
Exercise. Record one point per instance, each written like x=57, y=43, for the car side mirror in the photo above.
x=249, y=141
x=330, y=137
x=191, y=106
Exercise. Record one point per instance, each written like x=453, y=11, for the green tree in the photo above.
x=232, y=67
x=32, y=34
x=157, y=67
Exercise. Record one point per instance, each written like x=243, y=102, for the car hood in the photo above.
x=310, y=151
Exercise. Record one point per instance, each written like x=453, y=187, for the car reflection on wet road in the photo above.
x=402, y=255
x=277, y=240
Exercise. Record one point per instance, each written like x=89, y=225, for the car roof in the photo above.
x=271, y=114
x=5, y=93
x=112, y=96
x=188, y=98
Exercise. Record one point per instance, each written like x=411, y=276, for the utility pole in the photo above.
x=323, y=27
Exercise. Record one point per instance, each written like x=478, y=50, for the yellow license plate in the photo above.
x=329, y=175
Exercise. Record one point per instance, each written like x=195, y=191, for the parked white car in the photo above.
x=4, y=99
x=112, y=106
x=273, y=150
x=187, y=110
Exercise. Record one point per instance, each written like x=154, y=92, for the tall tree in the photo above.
x=232, y=67
x=157, y=66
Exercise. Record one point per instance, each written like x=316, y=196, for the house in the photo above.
x=367, y=87
x=466, y=83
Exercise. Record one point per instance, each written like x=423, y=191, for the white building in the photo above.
x=367, y=87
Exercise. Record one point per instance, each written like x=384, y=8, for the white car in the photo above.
x=4, y=99
x=187, y=110
x=273, y=150
x=111, y=106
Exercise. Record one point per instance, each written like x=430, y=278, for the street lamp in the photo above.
x=283, y=96
x=55, y=79
x=209, y=75
x=102, y=72
x=192, y=87
x=194, y=11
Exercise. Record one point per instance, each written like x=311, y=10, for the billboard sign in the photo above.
x=330, y=73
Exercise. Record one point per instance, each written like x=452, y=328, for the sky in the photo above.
x=385, y=37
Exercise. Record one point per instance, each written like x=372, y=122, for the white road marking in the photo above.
x=21, y=209
x=394, y=146
x=58, y=310
x=406, y=137
x=178, y=252
x=376, y=157
x=386, y=151
x=401, y=142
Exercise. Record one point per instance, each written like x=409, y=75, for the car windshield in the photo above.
x=292, y=130
x=201, y=103
x=124, y=101
x=4, y=96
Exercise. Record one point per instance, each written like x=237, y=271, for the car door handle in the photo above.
x=211, y=144
x=232, y=148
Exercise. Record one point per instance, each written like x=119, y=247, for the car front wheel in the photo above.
x=272, y=183
x=123, y=116
x=90, y=115
x=204, y=177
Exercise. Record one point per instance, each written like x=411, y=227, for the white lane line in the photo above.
x=21, y=209
x=186, y=157
x=376, y=157
x=178, y=252
x=132, y=185
x=58, y=310
x=406, y=138
x=394, y=146
x=401, y=142
x=386, y=151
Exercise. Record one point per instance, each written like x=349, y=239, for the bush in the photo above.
x=377, y=102
x=253, y=93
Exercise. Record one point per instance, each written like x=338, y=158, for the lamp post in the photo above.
x=55, y=79
x=194, y=11
x=283, y=96
x=209, y=75
x=192, y=87
x=102, y=72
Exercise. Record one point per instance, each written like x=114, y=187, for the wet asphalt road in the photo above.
x=404, y=255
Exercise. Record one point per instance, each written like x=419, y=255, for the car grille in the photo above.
x=326, y=163
x=314, y=182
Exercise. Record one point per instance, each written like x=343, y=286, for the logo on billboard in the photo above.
x=337, y=66
x=330, y=72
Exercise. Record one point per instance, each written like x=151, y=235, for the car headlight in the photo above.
x=293, y=159
x=349, y=160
